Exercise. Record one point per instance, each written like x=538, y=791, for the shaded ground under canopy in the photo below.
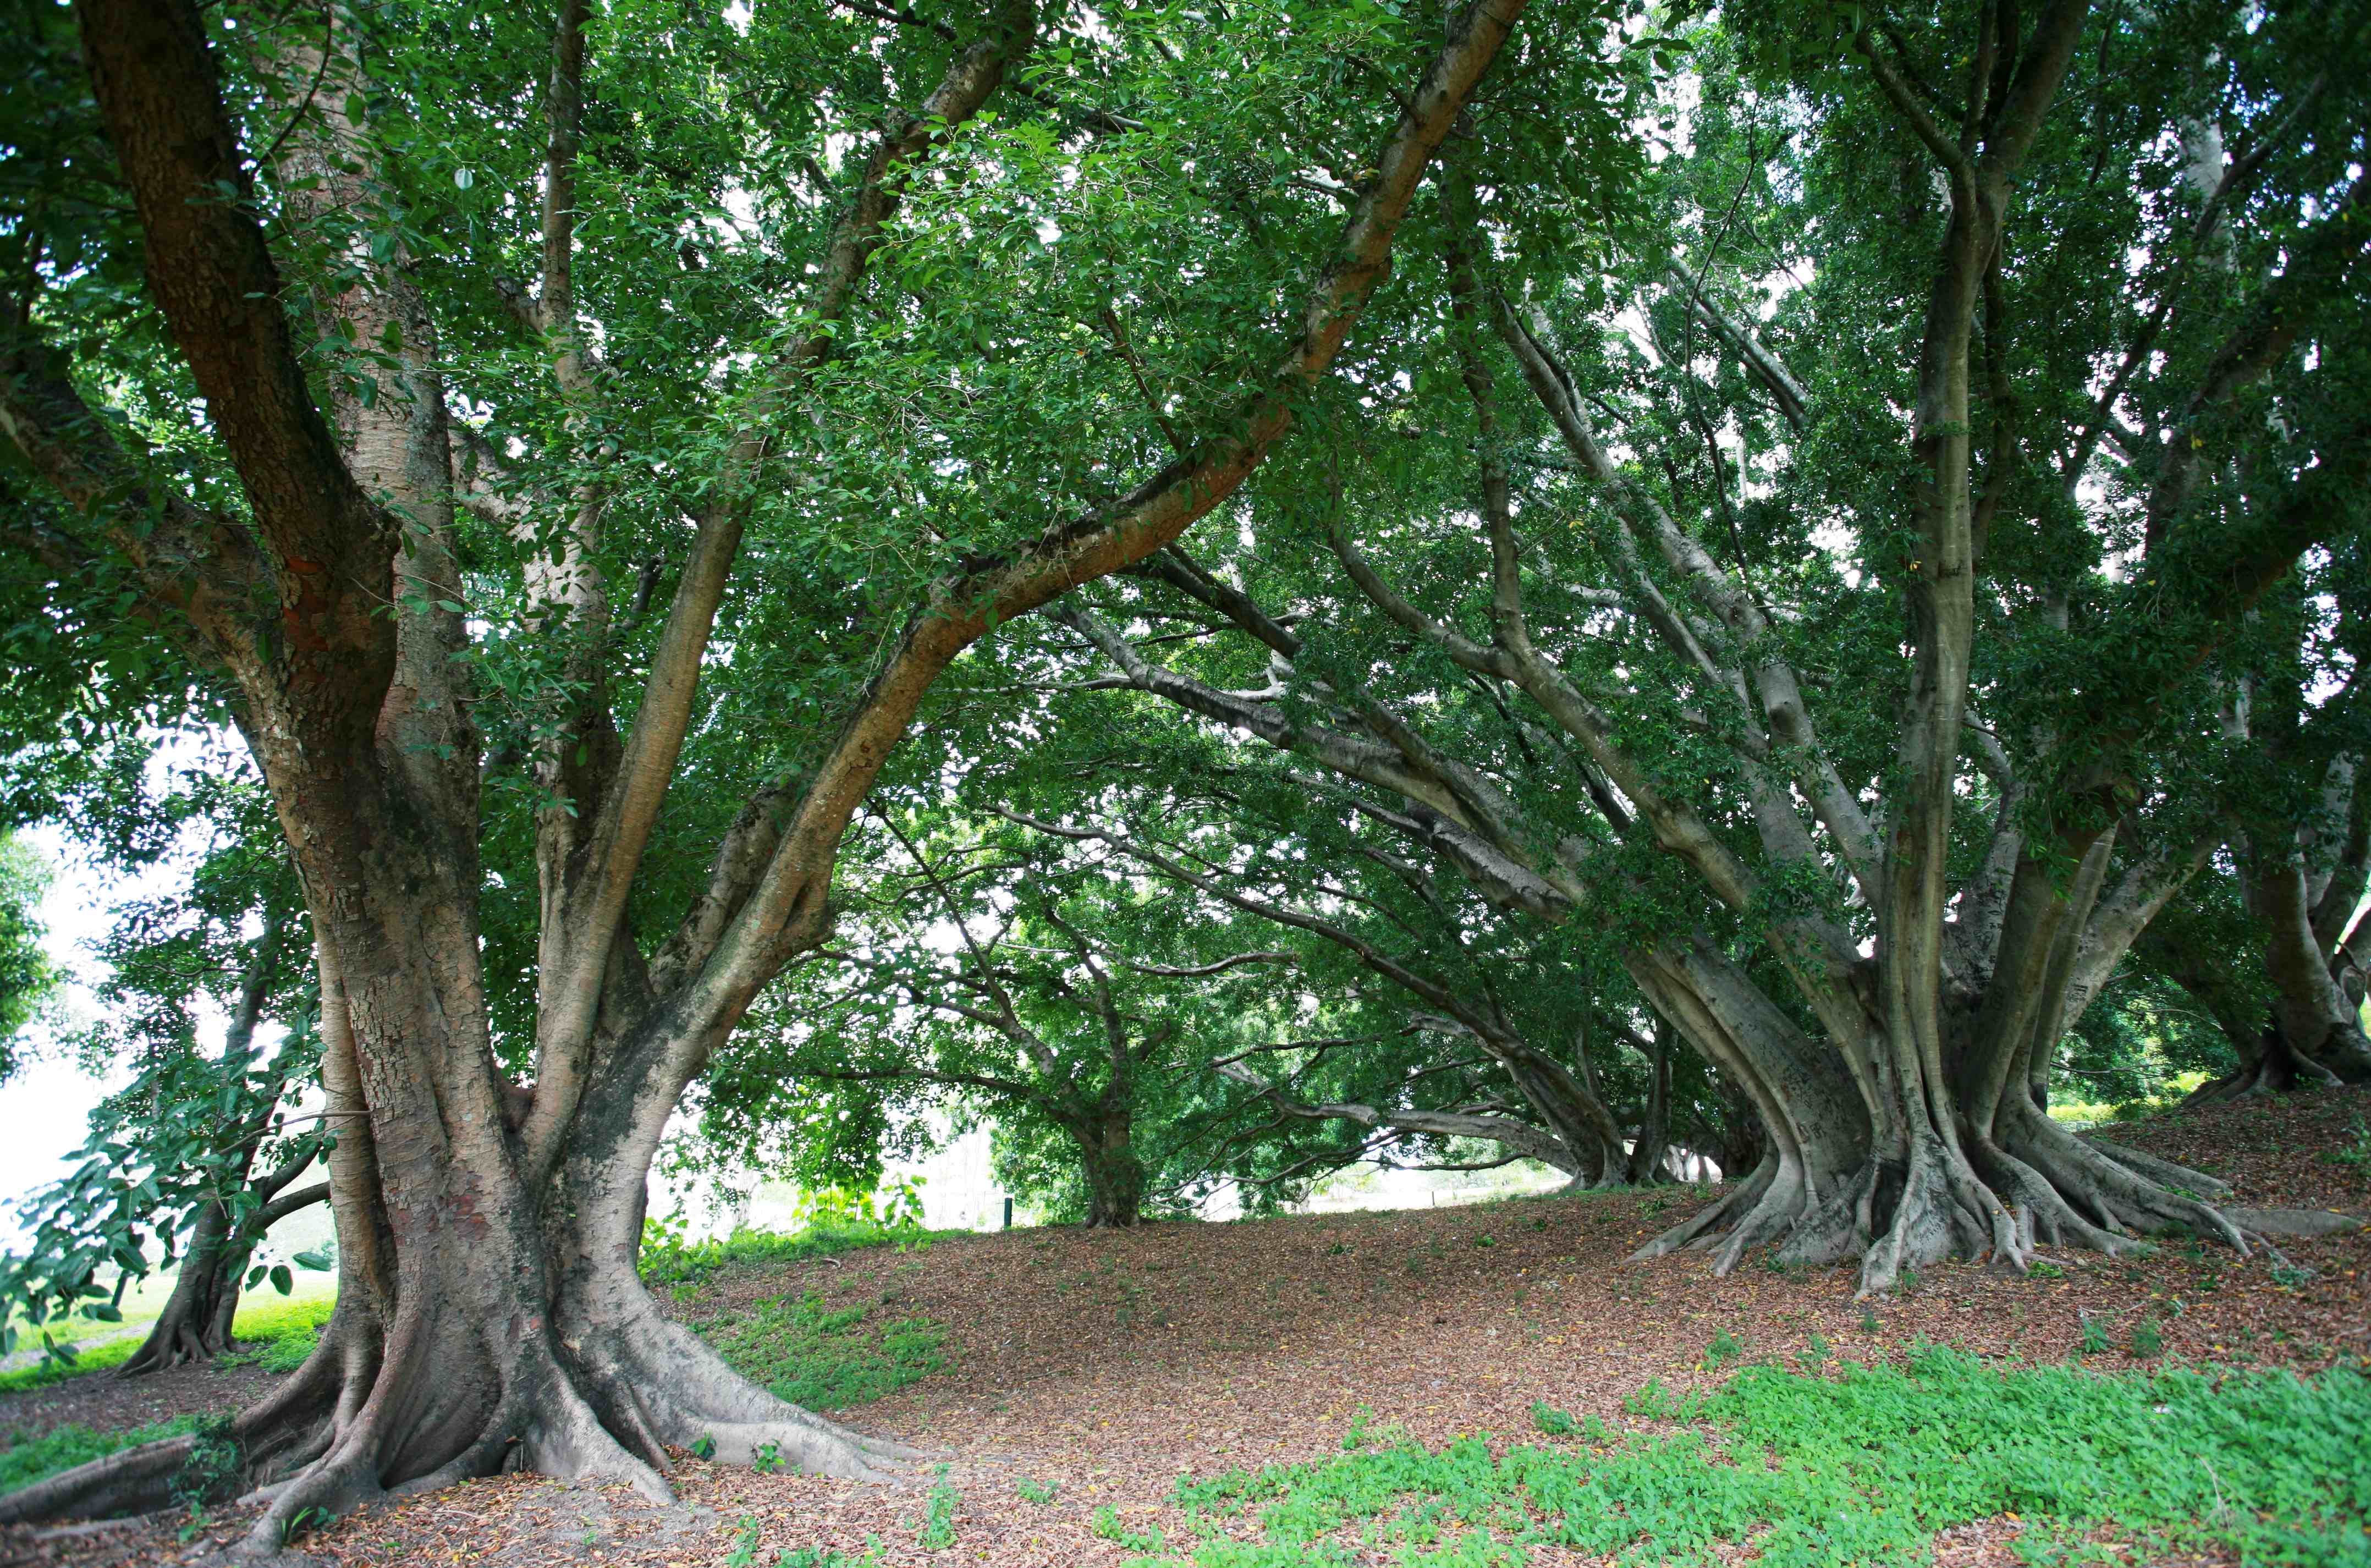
x=1096, y=1369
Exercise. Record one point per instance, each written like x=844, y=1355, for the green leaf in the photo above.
x=314, y=1258
x=281, y=1280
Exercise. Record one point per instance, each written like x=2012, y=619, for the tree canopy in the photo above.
x=1236, y=587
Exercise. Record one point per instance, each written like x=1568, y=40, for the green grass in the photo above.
x=278, y=1333
x=824, y=1357
x=275, y=1333
x=2094, y=1112
x=1860, y=1468
x=105, y=1357
x=23, y=1463
x=668, y=1260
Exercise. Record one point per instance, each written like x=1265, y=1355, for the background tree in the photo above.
x=1682, y=714
x=1439, y=1019
x=1073, y=1003
x=198, y=1156
x=2299, y=861
x=28, y=978
x=1401, y=950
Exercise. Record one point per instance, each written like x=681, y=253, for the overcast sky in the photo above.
x=43, y=1107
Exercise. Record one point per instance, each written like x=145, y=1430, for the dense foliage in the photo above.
x=1232, y=589
x=27, y=975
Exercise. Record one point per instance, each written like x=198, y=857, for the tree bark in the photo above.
x=1114, y=1175
x=2313, y=1036
x=2318, y=1023
x=1654, y=1138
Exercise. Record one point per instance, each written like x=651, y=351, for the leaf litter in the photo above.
x=1087, y=1373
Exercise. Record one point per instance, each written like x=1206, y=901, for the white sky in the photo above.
x=43, y=1110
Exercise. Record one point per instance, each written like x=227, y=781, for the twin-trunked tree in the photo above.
x=379, y=493
x=1871, y=673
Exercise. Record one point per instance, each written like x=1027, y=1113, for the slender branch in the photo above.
x=583, y=927
x=782, y=911
x=1794, y=403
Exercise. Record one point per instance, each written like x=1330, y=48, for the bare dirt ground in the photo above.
x=1108, y=1363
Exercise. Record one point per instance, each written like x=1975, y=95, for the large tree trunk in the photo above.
x=1817, y=1127
x=2313, y=1037
x=1114, y=1175
x=480, y=1325
x=1654, y=1139
x=1737, y=1140
x=2317, y=1022
x=1909, y=1157
x=1570, y=1104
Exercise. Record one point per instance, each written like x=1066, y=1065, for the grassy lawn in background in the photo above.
x=812, y=1354
x=1181, y=1392
x=824, y=1357
x=820, y=1357
x=266, y=1317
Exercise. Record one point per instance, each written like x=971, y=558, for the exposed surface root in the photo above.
x=179, y=1339
x=2293, y=1221
x=1943, y=1210
x=685, y=1393
x=2274, y=1067
x=1741, y=1200
x=426, y=1425
x=132, y=1481
x=2162, y=1171
x=451, y=1399
x=2036, y=1184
